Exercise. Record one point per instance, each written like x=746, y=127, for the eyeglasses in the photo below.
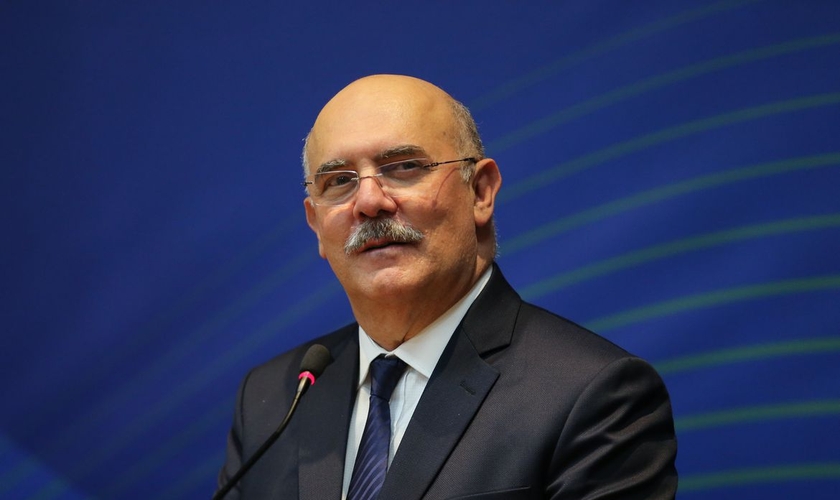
x=336, y=187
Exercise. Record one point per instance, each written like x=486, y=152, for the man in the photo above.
x=499, y=399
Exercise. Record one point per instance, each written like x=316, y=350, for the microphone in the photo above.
x=316, y=359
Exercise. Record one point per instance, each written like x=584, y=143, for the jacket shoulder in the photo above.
x=286, y=366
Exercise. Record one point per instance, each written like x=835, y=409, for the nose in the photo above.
x=371, y=199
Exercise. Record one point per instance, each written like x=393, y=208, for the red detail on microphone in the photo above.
x=307, y=375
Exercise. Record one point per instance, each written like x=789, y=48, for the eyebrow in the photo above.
x=402, y=150
x=331, y=165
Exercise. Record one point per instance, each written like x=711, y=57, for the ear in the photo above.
x=486, y=182
x=312, y=220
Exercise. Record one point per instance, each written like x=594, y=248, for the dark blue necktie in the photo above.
x=372, y=458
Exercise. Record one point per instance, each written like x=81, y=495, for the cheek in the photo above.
x=452, y=225
x=334, y=230
x=334, y=242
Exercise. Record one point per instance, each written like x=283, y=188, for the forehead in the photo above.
x=374, y=121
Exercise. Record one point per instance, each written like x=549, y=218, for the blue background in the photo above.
x=670, y=180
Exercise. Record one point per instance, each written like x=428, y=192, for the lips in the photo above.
x=377, y=244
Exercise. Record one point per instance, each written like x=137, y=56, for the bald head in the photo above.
x=393, y=99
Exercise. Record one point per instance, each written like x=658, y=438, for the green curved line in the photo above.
x=711, y=299
x=27, y=467
x=665, y=192
x=748, y=353
x=552, y=174
x=22, y=469
x=507, y=89
x=759, y=475
x=676, y=247
x=749, y=414
x=617, y=95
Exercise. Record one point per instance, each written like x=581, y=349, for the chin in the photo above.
x=384, y=282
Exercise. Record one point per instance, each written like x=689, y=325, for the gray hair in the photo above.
x=469, y=141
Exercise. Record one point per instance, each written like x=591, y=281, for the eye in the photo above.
x=404, y=168
x=328, y=180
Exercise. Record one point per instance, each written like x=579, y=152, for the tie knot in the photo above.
x=385, y=373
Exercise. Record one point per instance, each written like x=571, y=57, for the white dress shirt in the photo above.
x=421, y=354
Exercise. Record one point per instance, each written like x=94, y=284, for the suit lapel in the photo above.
x=459, y=387
x=461, y=381
x=324, y=422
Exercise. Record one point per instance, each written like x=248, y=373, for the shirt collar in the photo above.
x=422, y=351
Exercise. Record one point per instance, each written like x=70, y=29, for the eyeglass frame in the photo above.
x=358, y=178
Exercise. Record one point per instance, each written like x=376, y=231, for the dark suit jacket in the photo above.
x=522, y=404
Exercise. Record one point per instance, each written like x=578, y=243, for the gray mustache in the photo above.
x=374, y=229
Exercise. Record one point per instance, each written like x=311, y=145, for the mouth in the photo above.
x=380, y=244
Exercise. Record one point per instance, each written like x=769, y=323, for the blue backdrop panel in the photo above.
x=671, y=174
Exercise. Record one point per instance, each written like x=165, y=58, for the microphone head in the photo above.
x=316, y=359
